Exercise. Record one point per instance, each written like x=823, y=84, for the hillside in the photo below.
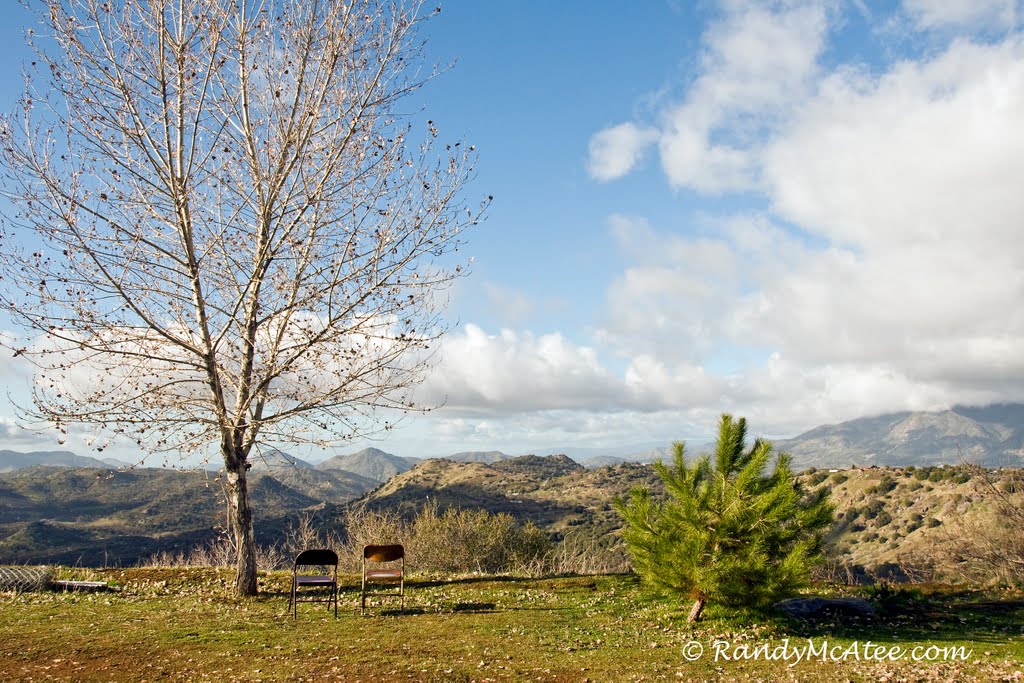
x=554, y=492
x=890, y=521
x=273, y=460
x=991, y=436
x=369, y=463
x=14, y=460
x=103, y=516
x=327, y=485
x=887, y=517
x=485, y=457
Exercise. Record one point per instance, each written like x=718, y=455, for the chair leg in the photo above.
x=295, y=602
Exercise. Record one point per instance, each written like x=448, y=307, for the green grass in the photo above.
x=184, y=624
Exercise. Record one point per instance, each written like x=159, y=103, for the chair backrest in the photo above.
x=383, y=553
x=317, y=556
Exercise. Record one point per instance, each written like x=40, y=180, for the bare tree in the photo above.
x=226, y=232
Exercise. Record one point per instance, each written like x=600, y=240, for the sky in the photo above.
x=797, y=212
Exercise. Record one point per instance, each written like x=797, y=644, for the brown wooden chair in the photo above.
x=383, y=564
x=320, y=558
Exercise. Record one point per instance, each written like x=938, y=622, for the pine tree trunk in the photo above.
x=241, y=528
x=695, y=611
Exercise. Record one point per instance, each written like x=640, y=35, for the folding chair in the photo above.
x=315, y=558
x=374, y=556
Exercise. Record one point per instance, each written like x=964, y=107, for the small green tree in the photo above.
x=737, y=531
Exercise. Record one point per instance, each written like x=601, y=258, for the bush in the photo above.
x=886, y=484
x=816, y=478
x=460, y=540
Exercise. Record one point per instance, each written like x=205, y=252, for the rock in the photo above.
x=812, y=607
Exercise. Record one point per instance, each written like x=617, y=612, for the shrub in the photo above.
x=459, y=540
x=817, y=477
x=886, y=484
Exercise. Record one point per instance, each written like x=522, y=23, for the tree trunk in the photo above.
x=695, y=611
x=241, y=529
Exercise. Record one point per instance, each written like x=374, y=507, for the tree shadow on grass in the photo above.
x=951, y=617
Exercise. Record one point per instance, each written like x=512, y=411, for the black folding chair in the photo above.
x=322, y=559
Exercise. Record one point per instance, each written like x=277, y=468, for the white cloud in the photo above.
x=13, y=436
x=930, y=14
x=755, y=60
x=615, y=151
x=484, y=373
x=917, y=175
x=927, y=154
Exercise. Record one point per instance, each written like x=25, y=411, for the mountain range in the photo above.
x=59, y=507
x=14, y=460
x=992, y=436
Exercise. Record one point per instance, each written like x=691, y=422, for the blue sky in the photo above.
x=799, y=212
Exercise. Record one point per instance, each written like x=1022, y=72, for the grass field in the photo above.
x=184, y=624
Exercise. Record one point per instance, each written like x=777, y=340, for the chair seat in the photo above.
x=384, y=574
x=314, y=580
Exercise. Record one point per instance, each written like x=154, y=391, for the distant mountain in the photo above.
x=602, y=461
x=635, y=452
x=331, y=486
x=485, y=457
x=274, y=460
x=104, y=516
x=992, y=436
x=13, y=460
x=646, y=456
x=371, y=463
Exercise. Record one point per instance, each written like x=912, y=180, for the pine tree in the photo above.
x=732, y=531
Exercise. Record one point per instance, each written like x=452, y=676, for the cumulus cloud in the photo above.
x=756, y=58
x=929, y=14
x=874, y=267
x=13, y=436
x=928, y=153
x=615, y=151
x=517, y=371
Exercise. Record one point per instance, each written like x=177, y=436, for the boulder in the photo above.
x=814, y=607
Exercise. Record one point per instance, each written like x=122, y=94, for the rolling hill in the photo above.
x=59, y=513
x=369, y=463
x=992, y=436
x=14, y=460
x=486, y=457
x=102, y=516
x=890, y=522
